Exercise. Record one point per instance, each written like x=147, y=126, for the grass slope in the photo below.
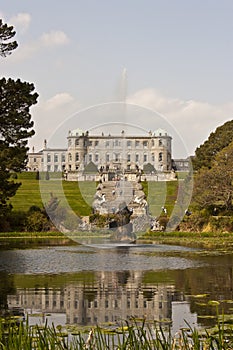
x=78, y=197
x=161, y=194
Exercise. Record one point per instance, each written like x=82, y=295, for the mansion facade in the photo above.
x=122, y=153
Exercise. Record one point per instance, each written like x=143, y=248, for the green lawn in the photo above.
x=161, y=194
x=78, y=195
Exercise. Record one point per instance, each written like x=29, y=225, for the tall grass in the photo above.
x=129, y=336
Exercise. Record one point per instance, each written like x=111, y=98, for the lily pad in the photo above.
x=213, y=302
x=199, y=296
x=207, y=317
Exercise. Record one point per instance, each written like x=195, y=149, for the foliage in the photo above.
x=217, y=140
x=214, y=186
x=128, y=335
x=16, y=98
x=98, y=220
x=195, y=223
x=6, y=34
x=37, y=221
x=148, y=168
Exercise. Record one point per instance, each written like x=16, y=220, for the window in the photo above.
x=107, y=157
x=34, y=160
x=160, y=142
x=137, y=143
x=153, y=157
x=145, y=144
x=90, y=143
x=137, y=158
x=63, y=157
x=128, y=158
x=49, y=168
x=117, y=143
x=160, y=156
x=153, y=143
x=145, y=158
x=90, y=157
x=129, y=143
x=107, y=143
x=96, y=143
x=117, y=157
x=55, y=158
x=77, y=157
x=76, y=142
x=55, y=167
x=70, y=157
x=48, y=158
x=96, y=157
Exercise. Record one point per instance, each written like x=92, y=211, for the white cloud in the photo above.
x=21, y=22
x=54, y=38
x=58, y=100
x=193, y=120
x=44, y=42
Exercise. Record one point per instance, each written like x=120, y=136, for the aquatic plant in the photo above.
x=130, y=335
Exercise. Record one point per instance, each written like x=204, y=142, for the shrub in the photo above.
x=37, y=221
x=98, y=220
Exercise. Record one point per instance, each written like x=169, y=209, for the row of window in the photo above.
x=117, y=157
x=95, y=157
x=116, y=143
x=56, y=158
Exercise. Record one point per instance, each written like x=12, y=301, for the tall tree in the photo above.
x=217, y=140
x=214, y=186
x=16, y=98
x=6, y=34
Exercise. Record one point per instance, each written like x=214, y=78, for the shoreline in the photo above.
x=219, y=241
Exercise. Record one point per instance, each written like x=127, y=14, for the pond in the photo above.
x=87, y=285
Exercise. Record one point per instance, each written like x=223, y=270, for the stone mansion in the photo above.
x=110, y=153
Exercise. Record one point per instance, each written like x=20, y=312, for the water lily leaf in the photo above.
x=213, y=302
x=200, y=296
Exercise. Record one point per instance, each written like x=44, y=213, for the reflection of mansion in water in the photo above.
x=123, y=153
x=113, y=297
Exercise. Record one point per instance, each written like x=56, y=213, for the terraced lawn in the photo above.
x=78, y=195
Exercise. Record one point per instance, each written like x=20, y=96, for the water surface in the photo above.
x=86, y=285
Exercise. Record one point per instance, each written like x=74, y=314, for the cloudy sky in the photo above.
x=173, y=57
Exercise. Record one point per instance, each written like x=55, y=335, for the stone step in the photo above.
x=112, y=193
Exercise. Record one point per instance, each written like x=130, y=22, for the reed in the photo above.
x=129, y=336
